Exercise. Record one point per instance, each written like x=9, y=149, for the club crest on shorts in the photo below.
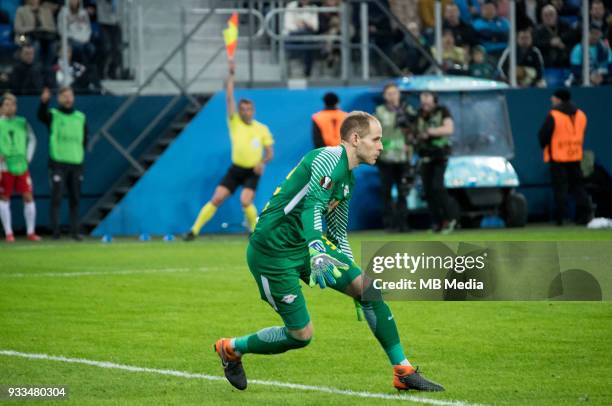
x=288, y=298
x=325, y=182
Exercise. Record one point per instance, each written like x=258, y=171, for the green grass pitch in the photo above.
x=162, y=305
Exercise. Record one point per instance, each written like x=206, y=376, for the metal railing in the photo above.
x=283, y=38
x=342, y=41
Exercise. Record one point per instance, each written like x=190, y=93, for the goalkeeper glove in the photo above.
x=323, y=267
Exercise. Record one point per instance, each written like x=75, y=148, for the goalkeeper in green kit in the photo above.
x=288, y=244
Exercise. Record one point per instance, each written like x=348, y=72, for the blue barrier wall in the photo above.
x=103, y=165
x=167, y=199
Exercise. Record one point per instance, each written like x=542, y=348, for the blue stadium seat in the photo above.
x=6, y=37
x=555, y=77
x=572, y=21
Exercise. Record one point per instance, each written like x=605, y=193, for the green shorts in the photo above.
x=278, y=279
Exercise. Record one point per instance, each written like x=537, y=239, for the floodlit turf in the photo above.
x=162, y=305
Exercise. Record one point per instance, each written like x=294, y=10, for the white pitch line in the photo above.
x=93, y=273
x=190, y=375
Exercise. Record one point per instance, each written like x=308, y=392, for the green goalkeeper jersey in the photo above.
x=318, y=189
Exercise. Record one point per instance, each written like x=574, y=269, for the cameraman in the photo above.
x=394, y=163
x=434, y=127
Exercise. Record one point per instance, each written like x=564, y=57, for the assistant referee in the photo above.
x=249, y=139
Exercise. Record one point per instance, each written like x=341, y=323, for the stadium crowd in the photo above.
x=31, y=34
x=475, y=38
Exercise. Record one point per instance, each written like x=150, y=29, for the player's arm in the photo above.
x=229, y=90
x=337, y=225
x=323, y=267
x=268, y=154
x=318, y=195
x=43, y=113
x=31, y=143
x=268, y=143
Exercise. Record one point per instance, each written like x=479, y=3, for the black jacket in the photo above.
x=529, y=57
x=464, y=33
x=26, y=79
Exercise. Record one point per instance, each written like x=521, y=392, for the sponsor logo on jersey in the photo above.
x=346, y=190
x=288, y=298
x=326, y=182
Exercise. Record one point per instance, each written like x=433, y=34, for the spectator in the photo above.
x=453, y=57
x=405, y=11
x=110, y=31
x=553, y=37
x=434, y=128
x=35, y=25
x=503, y=8
x=329, y=24
x=326, y=123
x=66, y=155
x=53, y=6
x=76, y=75
x=464, y=34
x=27, y=76
x=468, y=9
x=78, y=30
x=600, y=59
x=480, y=66
x=598, y=17
x=562, y=138
x=529, y=62
x=492, y=30
x=298, y=22
x=427, y=12
x=407, y=54
x=394, y=163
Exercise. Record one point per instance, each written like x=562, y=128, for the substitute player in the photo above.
x=17, y=145
x=288, y=245
x=249, y=139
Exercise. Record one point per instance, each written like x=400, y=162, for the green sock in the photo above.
x=381, y=322
x=271, y=340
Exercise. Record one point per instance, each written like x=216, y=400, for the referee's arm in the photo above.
x=229, y=90
x=269, y=154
